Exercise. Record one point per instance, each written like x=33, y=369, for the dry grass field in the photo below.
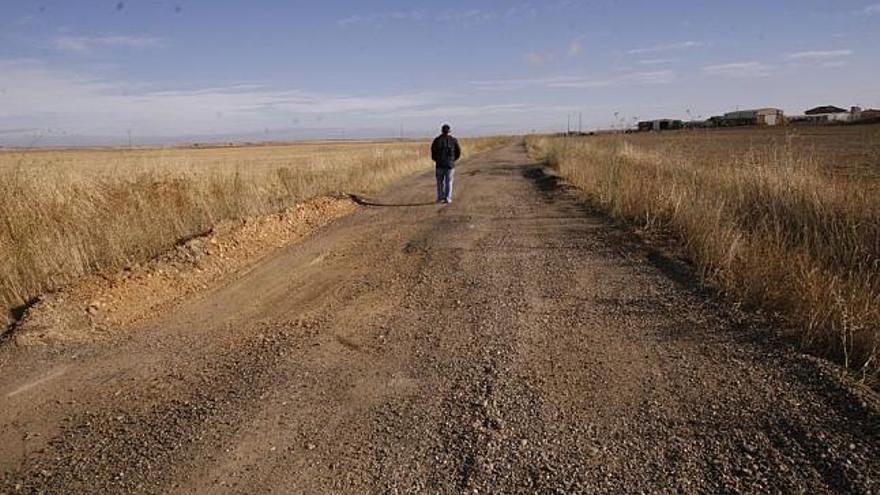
x=786, y=220
x=66, y=213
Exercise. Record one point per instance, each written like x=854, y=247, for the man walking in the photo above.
x=445, y=151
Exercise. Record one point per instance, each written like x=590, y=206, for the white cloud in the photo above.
x=818, y=55
x=739, y=70
x=89, y=43
x=682, y=45
x=873, y=9
x=575, y=47
x=35, y=95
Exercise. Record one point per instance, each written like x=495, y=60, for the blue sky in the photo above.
x=89, y=72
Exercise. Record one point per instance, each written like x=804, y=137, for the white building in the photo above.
x=757, y=116
x=827, y=114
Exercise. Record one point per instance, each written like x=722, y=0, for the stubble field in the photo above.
x=785, y=220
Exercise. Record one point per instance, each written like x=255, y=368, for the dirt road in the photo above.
x=509, y=342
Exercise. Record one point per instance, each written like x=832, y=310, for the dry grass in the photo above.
x=71, y=212
x=783, y=220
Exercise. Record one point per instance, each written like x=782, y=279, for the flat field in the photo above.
x=784, y=219
x=838, y=150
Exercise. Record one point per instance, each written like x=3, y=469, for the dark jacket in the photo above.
x=445, y=151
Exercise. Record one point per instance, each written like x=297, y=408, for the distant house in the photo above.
x=758, y=116
x=828, y=113
x=825, y=110
x=660, y=125
x=858, y=114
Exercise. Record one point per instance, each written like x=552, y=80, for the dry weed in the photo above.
x=778, y=223
x=66, y=213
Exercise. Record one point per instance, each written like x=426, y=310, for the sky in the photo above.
x=156, y=71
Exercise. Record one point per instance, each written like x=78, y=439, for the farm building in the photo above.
x=827, y=113
x=858, y=114
x=835, y=115
x=660, y=125
x=758, y=116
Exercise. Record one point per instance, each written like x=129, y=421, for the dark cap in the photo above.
x=445, y=129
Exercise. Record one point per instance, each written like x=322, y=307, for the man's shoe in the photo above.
x=444, y=200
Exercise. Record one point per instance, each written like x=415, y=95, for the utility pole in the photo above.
x=580, y=119
x=129, y=139
x=568, y=126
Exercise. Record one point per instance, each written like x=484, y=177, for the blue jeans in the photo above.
x=444, y=183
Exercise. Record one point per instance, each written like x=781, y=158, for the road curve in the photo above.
x=512, y=341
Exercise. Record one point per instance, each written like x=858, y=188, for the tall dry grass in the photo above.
x=67, y=213
x=765, y=220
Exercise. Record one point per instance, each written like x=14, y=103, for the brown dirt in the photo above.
x=512, y=341
x=98, y=306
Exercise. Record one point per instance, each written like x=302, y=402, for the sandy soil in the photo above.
x=512, y=341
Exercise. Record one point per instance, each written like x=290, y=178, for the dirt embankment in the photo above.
x=100, y=305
